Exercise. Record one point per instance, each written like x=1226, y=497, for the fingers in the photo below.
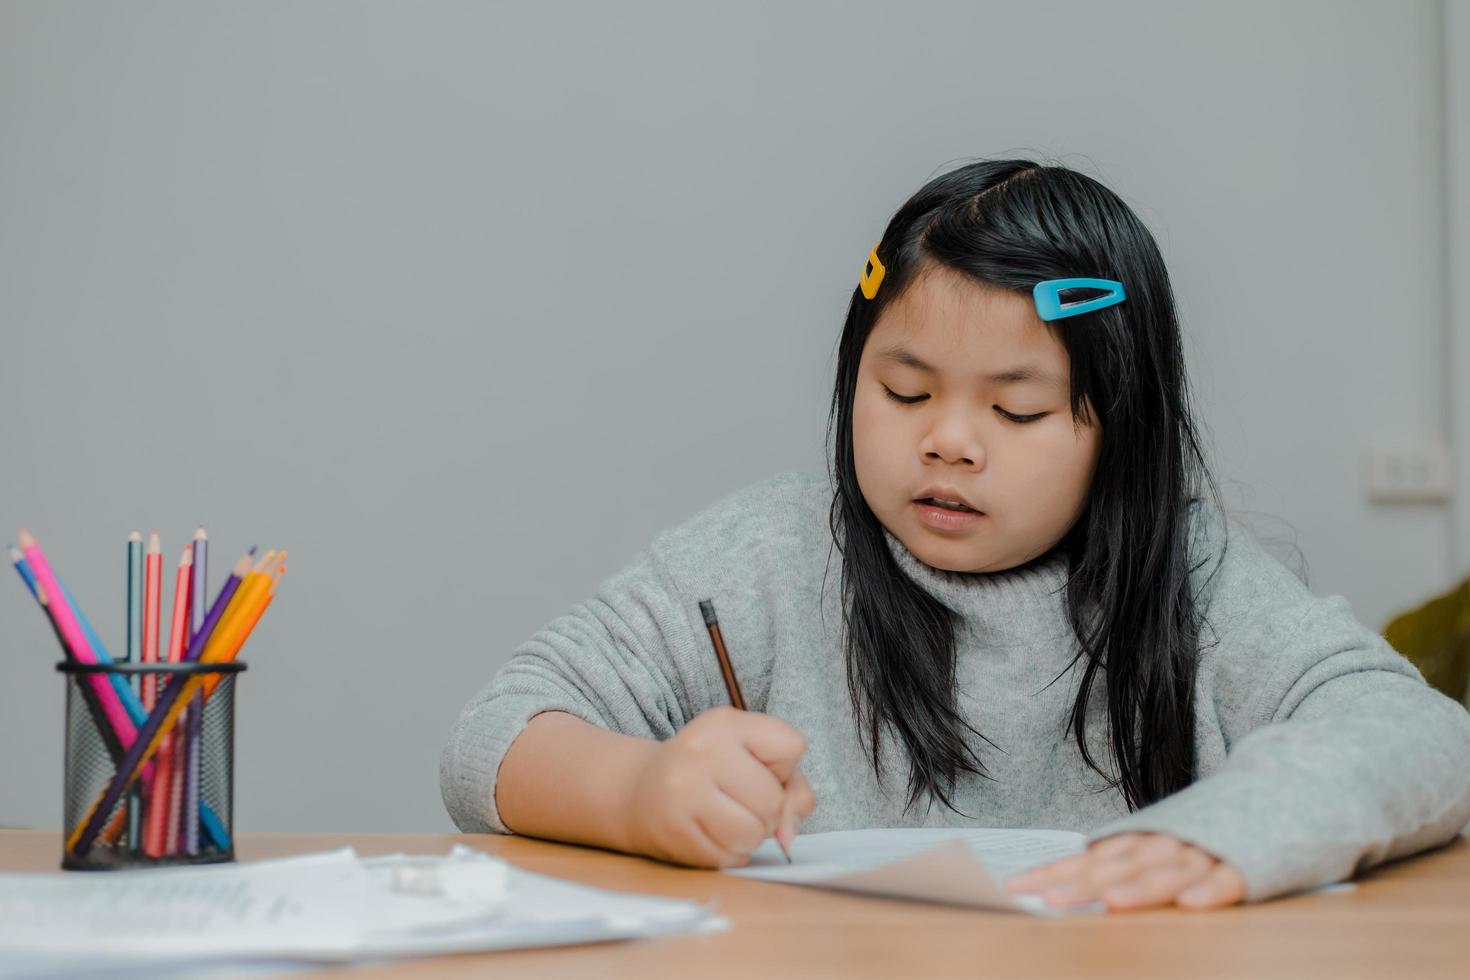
x=781, y=809
x=1079, y=866
x=745, y=779
x=699, y=848
x=784, y=799
x=798, y=804
x=1131, y=871
x=723, y=784
x=1224, y=885
x=734, y=829
x=777, y=744
x=1158, y=885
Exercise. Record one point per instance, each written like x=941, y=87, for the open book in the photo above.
x=953, y=865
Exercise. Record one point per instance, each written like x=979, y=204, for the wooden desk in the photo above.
x=1408, y=919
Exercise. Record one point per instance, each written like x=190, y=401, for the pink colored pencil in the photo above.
x=157, y=809
x=71, y=633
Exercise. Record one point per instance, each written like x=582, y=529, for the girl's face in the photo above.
x=989, y=422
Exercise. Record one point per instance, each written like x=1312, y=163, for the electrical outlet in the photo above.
x=1409, y=474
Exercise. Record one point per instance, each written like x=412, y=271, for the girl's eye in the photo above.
x=915, y=399
x=1020, y=418
x=903, y=399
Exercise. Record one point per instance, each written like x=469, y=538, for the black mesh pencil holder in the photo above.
x=176, y=804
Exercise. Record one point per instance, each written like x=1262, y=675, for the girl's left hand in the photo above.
x=1135, y=871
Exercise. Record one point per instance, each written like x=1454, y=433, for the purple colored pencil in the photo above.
x=199, y=588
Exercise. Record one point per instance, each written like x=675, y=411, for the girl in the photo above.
x=1039, y=618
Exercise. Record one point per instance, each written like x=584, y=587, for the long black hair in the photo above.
x=1010, y=224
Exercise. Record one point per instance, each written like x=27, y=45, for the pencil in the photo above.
x=117, y=736
x=162, y=833
x=172, y=701
x=134, y=655
x=130, y=702
x=103, y=725
x=732, y=686
x=212, y=824
x=113, y=707
x=135, y=598
x=178, y=748
x=198, y=590
x=152, y=586
x=49, y=594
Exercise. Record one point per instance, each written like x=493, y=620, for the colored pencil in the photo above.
x=134, y=655
x=177, y=639
x=156, y=719
x=253, y=579
x=80, y=839
x=213, y=826
x=189, y=833
x=115, y=740
x=178, y=747
x=100, y=721
x=155, y=791
x=119, y=684
x=152, y=585
x=198, y=589
x=114, y=710
x=161, y=832
x=73, y=640
x=135, y=597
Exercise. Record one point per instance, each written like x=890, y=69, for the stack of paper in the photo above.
x=329, y=907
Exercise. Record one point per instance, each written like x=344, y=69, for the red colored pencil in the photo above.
x=160, y=831
x=152, y=586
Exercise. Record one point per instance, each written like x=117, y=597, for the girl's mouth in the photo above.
x=946, y=516
x=947, y=505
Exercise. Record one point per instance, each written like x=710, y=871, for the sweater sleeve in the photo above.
x=1343, y=757
x=622, y=660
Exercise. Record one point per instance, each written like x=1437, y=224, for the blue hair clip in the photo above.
x=1048, y=297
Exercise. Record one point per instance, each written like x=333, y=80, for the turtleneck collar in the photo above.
x=1041, y=581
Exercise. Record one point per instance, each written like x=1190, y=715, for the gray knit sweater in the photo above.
x=1320, y=750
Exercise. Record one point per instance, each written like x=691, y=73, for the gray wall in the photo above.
x=462, y=302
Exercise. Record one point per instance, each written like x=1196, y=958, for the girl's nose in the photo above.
x=953, y=440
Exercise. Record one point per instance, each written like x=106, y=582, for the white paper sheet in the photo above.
x=957, y=866
x=329, y=907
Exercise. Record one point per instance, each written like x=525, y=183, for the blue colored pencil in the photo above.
x=132, y=704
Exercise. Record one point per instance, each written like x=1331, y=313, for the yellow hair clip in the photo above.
x=872, y=274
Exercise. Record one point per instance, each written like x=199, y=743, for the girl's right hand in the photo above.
x=722, y=784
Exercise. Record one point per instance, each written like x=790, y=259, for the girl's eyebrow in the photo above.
x=1023, y=372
